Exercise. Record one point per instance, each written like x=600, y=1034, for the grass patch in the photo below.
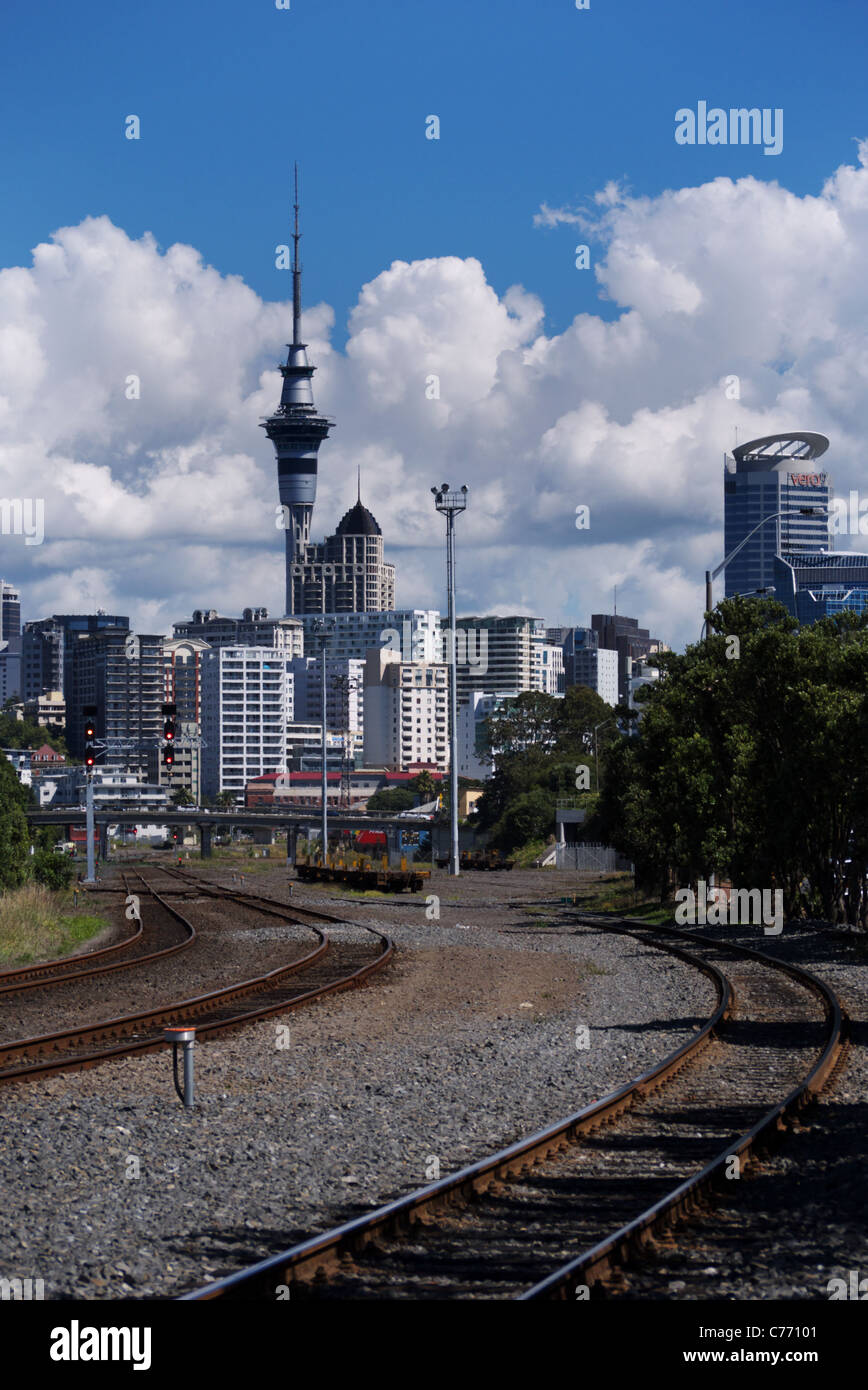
x=36, y=924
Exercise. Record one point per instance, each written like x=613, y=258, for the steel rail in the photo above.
x=594, y=1264
x=325, y=1250
x=45, y=968
x=195, y=1007
x=127, y=964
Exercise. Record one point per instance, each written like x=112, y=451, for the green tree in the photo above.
x=55, y=871
x=183, y=797
x=26, y=733
x=392, y=800
x=425, y=787
x=751, y=762
x=14, y=836
x=531, y=816
x=539, y=743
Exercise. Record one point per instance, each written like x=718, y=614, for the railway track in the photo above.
x=323, y=970
x=62, y=972
x=561, y=1213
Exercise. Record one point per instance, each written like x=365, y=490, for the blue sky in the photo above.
x=539, y=102
x=599, y=388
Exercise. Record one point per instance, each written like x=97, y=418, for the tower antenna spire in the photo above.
x=359, y=490
x=296, y=273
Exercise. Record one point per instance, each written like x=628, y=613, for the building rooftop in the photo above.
x=765, y=454
x=358, y=521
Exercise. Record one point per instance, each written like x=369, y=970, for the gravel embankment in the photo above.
x=110, y=1190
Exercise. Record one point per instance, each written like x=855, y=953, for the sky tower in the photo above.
x=296, y=430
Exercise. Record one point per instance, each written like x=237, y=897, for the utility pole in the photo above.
x=449, y=504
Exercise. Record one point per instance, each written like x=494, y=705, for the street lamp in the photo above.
x=711, y=575
x=449, y=504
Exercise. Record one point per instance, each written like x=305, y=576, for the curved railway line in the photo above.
x=325, y=969
x=61, y=972
x=562, y=1212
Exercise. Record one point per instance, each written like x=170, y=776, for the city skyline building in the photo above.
x=764, y=477
x=246, y=704
x=414, y=632
x=497, y=654
x=619, y=633
x=253, y=629
x=345, y=573
x=47, y=645
x=813, y=586
x=10, y=641
x=588, y=663
x=182, y=676
x=121, y=675
x=406, y=712
x=475, y=758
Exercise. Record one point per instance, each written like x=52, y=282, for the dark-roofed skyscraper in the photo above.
x=345, y=573
x=296, y=430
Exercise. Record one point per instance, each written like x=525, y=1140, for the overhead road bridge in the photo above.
x=207, y=822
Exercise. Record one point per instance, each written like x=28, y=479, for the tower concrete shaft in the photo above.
x=296, y=430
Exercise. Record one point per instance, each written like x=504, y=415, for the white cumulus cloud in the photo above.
x=133, y=380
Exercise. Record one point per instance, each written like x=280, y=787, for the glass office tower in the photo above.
x=765, y=476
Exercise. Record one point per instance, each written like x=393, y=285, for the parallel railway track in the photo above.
x=119, y=956
x=325, y=969
x=561, y=1213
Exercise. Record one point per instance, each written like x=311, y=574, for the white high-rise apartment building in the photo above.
x=597, y=667
x=512, y=653
x=548, y=672
x=246, y=703
x=406, y=712
x=413, y=632
x=345, y=679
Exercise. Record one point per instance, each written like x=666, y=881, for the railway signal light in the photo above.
x=168, y=722
x=90, y=750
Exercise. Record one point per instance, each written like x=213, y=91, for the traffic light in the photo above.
x=169, y=756
x=90, y=749
x=175, y=836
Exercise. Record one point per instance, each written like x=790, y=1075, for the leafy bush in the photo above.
x=52, y=870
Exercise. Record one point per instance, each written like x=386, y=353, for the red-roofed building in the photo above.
x=300, y=789
x=46, y=759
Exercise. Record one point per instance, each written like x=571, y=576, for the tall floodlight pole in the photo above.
x=323, y=630
x=449, y=504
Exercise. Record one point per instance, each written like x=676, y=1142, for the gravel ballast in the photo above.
x=111, y=1190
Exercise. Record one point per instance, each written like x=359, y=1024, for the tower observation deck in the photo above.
x=296, y=430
